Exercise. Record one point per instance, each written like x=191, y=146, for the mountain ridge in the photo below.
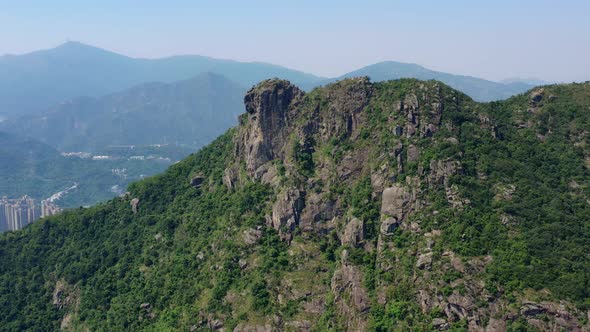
x=478, y=88
x=355, y=206
x=74, y=69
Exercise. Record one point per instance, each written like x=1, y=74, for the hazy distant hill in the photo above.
x=529, y=81
x=190, y=112
x=477, y=88
x=35, y=81
x=36, y=169
x=29, y=167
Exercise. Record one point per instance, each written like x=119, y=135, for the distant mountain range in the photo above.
x=477, y=88
x=77, y=97
x=189, y=113
x=33, y=82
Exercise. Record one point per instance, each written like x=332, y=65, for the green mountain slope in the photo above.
x=191, y=113
x=32, y=82
x=400, y=205
x=479, y=89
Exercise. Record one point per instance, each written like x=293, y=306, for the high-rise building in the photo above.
x=17, y=213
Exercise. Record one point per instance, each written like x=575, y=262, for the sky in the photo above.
x=497, y=39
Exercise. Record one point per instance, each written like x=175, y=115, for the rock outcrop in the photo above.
x=286, y=212
x=351, y=298
x=354, y=232
x=134, y=203
x=264, y=128
x=395, y=203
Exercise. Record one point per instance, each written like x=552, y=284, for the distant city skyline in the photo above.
x=496, y=40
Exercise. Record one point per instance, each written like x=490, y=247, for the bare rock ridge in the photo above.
x=357, y=206
x=282, y=124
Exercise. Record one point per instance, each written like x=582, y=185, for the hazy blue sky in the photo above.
x=492, y=39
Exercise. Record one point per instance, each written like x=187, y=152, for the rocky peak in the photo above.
x=345, y=101
x=271, y=106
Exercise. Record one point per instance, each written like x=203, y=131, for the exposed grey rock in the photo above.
x=441, y=170
x=134, y=203
x=496, y=325
x=264, y=130
x=345, y=100
x=532, y=309
x=314, y=306
x=286, y=212
x=424, y=261
x=395, y=202
x=410, y=130
x=440, y=324
x=351, y=298
x=146, y=311
x=562, y=319
x=452, y=140
x=354, y=232
x=251, y=236
x=318, y=213
x=216, y=324
x=424, y=300
x=270, y=176
x=413, y=153
x=229, y=178
x=242, y=264
x=299, y=325
x=388, y=226
x=63, y=294
x=243, y=327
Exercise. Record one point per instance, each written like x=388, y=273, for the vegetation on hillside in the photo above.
x=512, y=217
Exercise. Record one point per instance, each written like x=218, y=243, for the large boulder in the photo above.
x=134, y=203
x=351, y=298
x=354, y=232
x=388, y=226
x=395, y=202
x=286, y=212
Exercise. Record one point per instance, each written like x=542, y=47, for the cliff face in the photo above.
x=356, y=206
x=266, y=125
x=392, y=136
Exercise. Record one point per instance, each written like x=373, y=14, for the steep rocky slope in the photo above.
x=401, y=205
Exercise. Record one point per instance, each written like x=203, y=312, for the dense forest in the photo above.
x=401, y=205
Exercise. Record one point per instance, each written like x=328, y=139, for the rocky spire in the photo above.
x=270, y=106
